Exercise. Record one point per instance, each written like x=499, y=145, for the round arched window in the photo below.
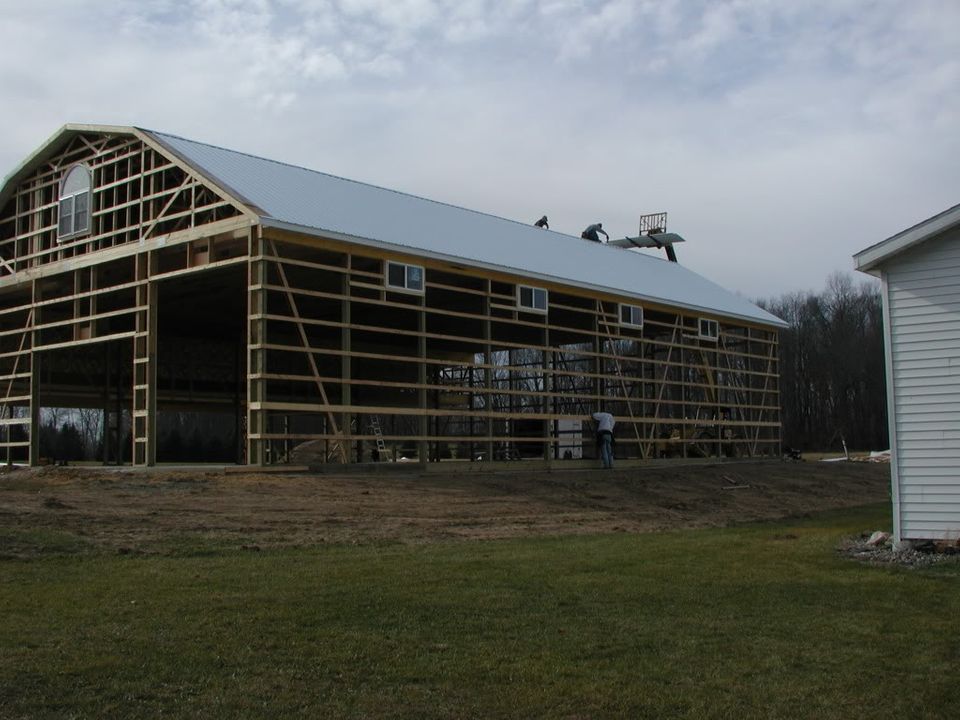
x=74, y=203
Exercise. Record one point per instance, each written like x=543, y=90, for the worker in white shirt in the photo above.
x=605, y=423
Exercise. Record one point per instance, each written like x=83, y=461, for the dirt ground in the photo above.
x=138, y=511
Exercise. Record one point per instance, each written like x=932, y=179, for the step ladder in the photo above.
x=378, y=435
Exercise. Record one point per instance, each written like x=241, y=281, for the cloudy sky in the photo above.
x=781, y=136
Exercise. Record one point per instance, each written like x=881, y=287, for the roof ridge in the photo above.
x=349, y=180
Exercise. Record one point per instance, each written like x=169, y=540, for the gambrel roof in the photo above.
x=305, y=201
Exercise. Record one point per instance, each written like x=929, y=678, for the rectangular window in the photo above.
x=396, y=275
x=66, y=217
x=415, y=278
x=80, y=214
x=709, y=329
x=631, y=315
x=532, y=298
x=405, y=277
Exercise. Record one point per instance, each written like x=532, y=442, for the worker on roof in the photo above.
x=591, y=232
x=542, y=223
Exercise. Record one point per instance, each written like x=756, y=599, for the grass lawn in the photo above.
x=761, y=621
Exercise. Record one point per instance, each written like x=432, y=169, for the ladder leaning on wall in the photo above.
x=606, y=324
x=378, y=435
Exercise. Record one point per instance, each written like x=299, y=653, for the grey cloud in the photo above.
x=795, y=135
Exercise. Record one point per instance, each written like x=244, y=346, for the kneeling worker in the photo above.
x=591, y=232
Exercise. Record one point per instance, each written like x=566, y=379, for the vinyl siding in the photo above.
x=923, y=297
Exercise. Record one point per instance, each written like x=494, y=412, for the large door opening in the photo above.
x=201, y=367
x=85, y=390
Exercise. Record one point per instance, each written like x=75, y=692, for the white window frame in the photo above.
x=533, y=297
x=704, y=327
x=635, y=310
x=407, y=267
x=68, y=203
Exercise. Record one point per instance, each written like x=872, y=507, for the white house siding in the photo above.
x=923, y=301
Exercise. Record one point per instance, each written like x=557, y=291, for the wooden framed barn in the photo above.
x=293, y=316
x=919, y=270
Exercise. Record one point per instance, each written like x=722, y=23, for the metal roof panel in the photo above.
x=316, y=202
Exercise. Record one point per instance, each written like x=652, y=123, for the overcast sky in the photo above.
x=780, y=136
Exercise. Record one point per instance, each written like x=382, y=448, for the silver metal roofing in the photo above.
x=307, y=201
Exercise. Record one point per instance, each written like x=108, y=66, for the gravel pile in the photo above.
x=923, y=555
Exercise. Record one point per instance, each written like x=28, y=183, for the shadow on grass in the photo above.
x=756, y=621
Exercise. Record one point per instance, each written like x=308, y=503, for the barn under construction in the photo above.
x=296, y=317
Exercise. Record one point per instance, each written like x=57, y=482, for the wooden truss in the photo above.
x=178, y=299
x=151, y=221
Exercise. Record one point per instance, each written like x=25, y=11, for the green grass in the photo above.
x=761, y=621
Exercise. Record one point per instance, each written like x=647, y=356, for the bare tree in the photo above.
x=832, y=385
x=89, y=422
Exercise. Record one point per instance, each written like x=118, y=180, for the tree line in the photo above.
x=832, y=369
x=72, y=434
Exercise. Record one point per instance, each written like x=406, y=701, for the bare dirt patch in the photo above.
x=149, y=510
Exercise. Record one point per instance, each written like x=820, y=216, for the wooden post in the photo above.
x=546, y=367
x=34, y=427
x=488, y=373
x=107, y=444
x=239, y=449
x=256, y=355
x=144, y=411
x=35, y=374
x=423, y=446
x=598, y=368
x=346, y=368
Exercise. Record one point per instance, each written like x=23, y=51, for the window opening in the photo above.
x=709, y=329
x=532, y=298
x=631, y=315
x=74, y=203
x=405, y=277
